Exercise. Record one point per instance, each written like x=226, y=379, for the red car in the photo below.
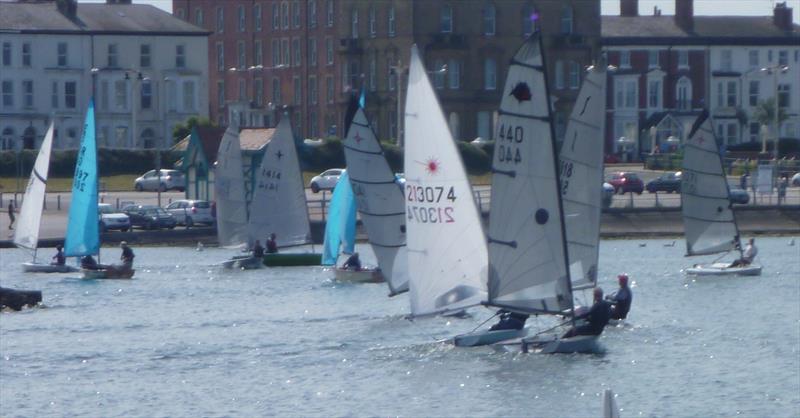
x=626, y=182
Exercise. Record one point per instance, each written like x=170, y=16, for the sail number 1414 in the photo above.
x=441, y=212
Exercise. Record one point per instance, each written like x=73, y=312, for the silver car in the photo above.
x=326, y=180
x=169, y=180
x=111, y=219
x=191, y=212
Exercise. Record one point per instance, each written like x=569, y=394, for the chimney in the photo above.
x=782, y=17
x=118, y=1
x=684, y=14
x=68, y=8
x=629, y=8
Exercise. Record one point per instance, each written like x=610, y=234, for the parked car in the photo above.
x=169, y=180
x=667, y=182
x=739, y=196
x=608, y=195
x=626, y=182
x=795, y=181
x=326, y=180
x=191, y=212
x=111, y=219
x=149, y=217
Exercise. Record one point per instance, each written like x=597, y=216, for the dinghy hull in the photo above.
x=292, y=259
x=722, y=269
x=110, y=273
x=243, y=263
x=47, y=268
x=476, y=339
x=580, y=344
x=17, y=299
x=360, y=276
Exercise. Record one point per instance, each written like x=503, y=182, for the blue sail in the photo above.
x=83, y=235
x=341, y=226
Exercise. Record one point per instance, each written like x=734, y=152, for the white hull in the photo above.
x=47, y=268
x=475, y=339
x=360, y=276
x=722, y=269
x=579, y=344
x=243, y=263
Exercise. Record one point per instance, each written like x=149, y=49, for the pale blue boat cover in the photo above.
x=83, y=235
x=341, y=226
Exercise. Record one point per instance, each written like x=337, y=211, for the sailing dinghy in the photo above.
x=83, y=228
x=379, y=200
x=340, y=235
x=708, y=219
x=26, y=235
x=528, y=263
x=447, y=258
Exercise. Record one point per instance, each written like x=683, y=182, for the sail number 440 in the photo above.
x=509, y=137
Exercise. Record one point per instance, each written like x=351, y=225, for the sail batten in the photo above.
x=26, y=233
x=83, y=231
x=379, y=200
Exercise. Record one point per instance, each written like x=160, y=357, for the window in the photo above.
x=8, y=93
x=652, y=58
x=276, y=52
x=684, y=95
x=454, y=74
x=144, y=56
x=438, y=76
x=446, y=19
x=329, y=13
x=784, y=95
x=753, y=92
x=769, y=56
x=258, y=86
x=559, y=76
x=241, y=55
x=312, y=120
x=221, y=93
x=489, y=74
x=220, y=19
x=242, y=18
x=276, y=16
x=329, y=51
x=372, y=29
x=752, y=58
x=285, y=15
x=731, y=96
x=329, y=89
x=148, y=138
x=26, y=54
x=198, y=17
x=121, y=136
x=286, y=53
x=574, y=75
x=373, y=72
x=726, y=60
x=312, y=52
x=7, y=54
x=220, y=57
x=625, y=59
x=529, y=17
x=566, y=19
x=70, y=91
x=298, y=90
x=104, y=89
x=732, y=136
x=27, y=93
x=242, y=90
x=312, y=14
x=146, y=98
x=683, y=59
x=355, y=75
x=257, y=53
x=654, y=94
x=54, y=94
x=296, y=14
x=257, y=18
x=312, y=90
x=180, y=56
x=484, y=125
x=392, y=73
x=298, y=52
x=392, y=23
x=489, y=14
x=354, y=23
x=276, y=91
x=625, y=93
x=62, y=54
x=783, y=57
x=453, y=124
x=188, y=96
x=7, y=139
x=113, y=60
x=120, y=95
x=755, y=128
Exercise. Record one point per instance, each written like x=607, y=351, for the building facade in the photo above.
x=146, y=70
x=316, y=53
x=670, y=68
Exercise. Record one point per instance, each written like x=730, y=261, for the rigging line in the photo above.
x=484, y=322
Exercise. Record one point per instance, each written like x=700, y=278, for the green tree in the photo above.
x=181, y=130
x=765, y=113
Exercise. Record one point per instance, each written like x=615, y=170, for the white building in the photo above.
x=148, y=71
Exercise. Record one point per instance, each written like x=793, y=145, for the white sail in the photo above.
x=380, y=201
x=527, y=251
x=581, y=175
x=708, y=219
x=279, y=200
x=26, y=234
x=229, y=191
x=447, y=256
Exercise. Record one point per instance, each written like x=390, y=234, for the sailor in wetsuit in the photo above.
x=126, y=256
x=88, y=262
x=272, y=245
x=510, y=320
x=352, y=263
x=621, y=299
x=59, y=259
x=258, y=250
x=597, y=317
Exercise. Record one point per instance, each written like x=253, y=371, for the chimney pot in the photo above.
x=684, y=14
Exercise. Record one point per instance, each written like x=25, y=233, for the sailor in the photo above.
x=621, y=299
x=11, y=217
x=597, y=317
x=510, y=320
x=352, y=263
x=126, y=256
x=88, y=262
x=258, y=250
x=272, y=245
x=749, y=254
x=59, y=259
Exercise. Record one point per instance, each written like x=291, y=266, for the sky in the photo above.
x=701, y=7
